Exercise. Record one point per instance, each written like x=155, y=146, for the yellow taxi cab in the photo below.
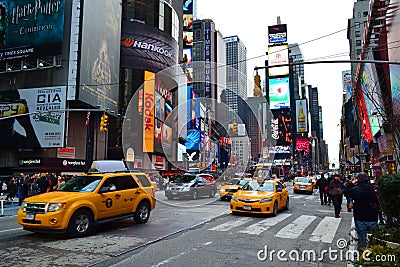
x=226, y=191
x=303, y=184
x=88, y=199
x=261, y=196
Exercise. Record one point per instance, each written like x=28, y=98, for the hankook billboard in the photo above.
x=146, y=47
x=31, y=28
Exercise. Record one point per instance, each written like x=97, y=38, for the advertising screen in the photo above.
x=31, y=28
x=278, y=55
x=347, y=84
x=279, y=95
x=281, y=127
x=40, y=128
x=148, y=112
x=301, y=116
x=100, y=53
x=277, y=34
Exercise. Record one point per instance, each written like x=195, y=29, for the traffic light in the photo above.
x=103, y=123
x=235, y=128
x=257, y=85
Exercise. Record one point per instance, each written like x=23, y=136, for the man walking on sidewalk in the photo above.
x=336, y=191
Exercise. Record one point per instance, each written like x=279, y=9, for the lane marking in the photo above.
x=231, y=224
x=9, y=230
x=294, y=229
x=326, y=230
x=264, y=225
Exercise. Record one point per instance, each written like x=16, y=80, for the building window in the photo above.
x=358, y=34
x=358, y=42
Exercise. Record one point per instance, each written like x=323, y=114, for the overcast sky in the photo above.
x=319, y=27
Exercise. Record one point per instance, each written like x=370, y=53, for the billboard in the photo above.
x=281, y=127
x=145, y=47
x=148, y=112
x=347, y=84
x=301, y=116
x=278, y=55
x=40, y=128
x=100, y=53
x=31, y=28
x=279, y=93
x=277, y=34
x=207, y=58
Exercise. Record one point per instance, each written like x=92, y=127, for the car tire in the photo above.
x=275, y=210
x=287, y=204
x=169, y=197
x=235, y=213
x=142, y=213
x=80, y=224
x=195, y=195
x=212, y=193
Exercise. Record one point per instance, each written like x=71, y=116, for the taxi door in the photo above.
x=109, y=201
x=280, y=195
x=130, y=193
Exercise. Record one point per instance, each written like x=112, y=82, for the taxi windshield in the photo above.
x=259, y=186
x=81, y=184
x=302, y=180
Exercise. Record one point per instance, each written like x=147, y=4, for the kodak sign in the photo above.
x=148, y=112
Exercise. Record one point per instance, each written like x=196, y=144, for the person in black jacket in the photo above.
x=336, y=192
x=322, y=183
x=365, y=209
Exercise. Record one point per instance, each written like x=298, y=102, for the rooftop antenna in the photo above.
x=278, y=20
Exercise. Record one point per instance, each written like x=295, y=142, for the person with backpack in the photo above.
x=336, y=191
x=365, y=208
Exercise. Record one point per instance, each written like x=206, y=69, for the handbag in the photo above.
x=326, y=188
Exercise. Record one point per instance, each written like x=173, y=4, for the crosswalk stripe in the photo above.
x=231, y=224
x=298, y=196
x=264, y=225
x=326, y=229
x=310, y=197
x=295, y=229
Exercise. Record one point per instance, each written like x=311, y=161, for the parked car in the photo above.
x=192, y=186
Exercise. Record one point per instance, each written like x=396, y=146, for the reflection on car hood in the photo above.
x=57, y=196
x=300, y=183
x=180, y=184
x=253, y=194
x=227, y=186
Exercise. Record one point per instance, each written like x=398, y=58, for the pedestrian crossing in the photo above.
x=325, y=228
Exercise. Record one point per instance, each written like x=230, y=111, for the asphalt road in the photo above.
x=188, y=233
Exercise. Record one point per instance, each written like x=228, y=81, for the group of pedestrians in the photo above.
x=361, y=198
x=29, y=185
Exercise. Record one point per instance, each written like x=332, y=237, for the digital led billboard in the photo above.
x=278, y=55
x=301, y=116
x=277, y=34
x=279, y=93
x=31, y=28
x=281, y=127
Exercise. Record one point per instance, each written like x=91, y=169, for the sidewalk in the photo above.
x=8, y=208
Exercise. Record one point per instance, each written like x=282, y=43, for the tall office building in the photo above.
x=236, y=78
x=297, y=71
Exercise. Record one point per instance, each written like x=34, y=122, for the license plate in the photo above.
x=30, y=216
x=247, y=208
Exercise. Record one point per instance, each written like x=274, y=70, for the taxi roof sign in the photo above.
x=102, y=166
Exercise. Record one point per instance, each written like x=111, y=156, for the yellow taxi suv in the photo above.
x=226, y=191
x=88, y=199
x=303, y=184
x=261, y=197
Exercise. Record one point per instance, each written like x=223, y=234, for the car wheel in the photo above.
x=142, y=213
x=195, y=195
x=170, y=197
x=212, y=193
x=235, y=213
x=81, y=223
x=287, y=204
x=275, y=211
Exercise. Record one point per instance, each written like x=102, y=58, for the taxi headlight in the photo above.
x=23, y=206
x=233, y=198
x=51, y=207
x=266, y=200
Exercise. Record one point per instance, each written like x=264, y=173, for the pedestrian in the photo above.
x=12, y=189
x=330, y=178
x=322, y=184
x=336, y=191
x=365, y=209
x=43, y=183
x=350, y=182
x=20, y=183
